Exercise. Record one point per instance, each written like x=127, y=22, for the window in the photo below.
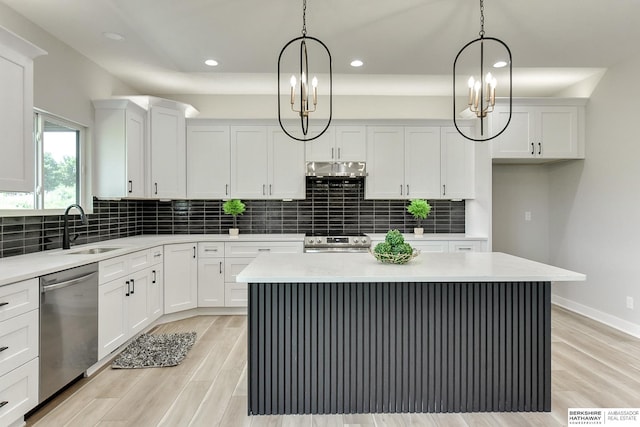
x=58, y=157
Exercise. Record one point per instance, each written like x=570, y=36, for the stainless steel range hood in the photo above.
x=336, y=169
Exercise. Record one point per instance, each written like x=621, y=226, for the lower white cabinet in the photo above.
x=466, y=246
x=211, y=268
x=236, y=294
x=19, y=389
x=19, y=338
x=442, y=246
x=131, y=301
x=180, y=277
x=431, y=246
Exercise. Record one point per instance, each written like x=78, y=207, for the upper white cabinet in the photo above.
x=119, y=149
x=538, y=132
x=266, y=164
x=340, y=143
x=208, y=162
x=419, y=162
x=16, y=112
x=167, y=152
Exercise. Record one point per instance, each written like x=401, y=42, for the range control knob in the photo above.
x=310, y=240
x=318, y=240
x=355, y=240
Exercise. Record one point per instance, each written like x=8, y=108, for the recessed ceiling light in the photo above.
x=357, y=63
x=211, y=62
x=500, y=64
x=113, y=36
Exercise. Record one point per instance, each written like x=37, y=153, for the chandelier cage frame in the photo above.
x=481, y=114
x=304, y=68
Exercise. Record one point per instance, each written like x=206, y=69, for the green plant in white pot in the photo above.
x=419, y=209
x=234, y=207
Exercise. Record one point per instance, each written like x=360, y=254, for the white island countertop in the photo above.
x=427, y=267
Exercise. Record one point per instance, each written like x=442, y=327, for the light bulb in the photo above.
x=471, y=82
x=293, y=81
x=314, y=82
x=494, y=83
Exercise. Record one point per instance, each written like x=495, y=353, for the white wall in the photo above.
x=595, y=204
x=518, y=189
x=65, y=81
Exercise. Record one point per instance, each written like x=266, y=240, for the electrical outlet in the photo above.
x=527, y=216
x=630, y=303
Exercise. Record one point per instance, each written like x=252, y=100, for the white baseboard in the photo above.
x=602, y=317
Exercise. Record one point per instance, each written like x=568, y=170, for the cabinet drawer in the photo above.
x=18, y=298
x=20, y=390
x=431, y=246
x=253, y=249
x=156, y=255
x=138, y=260
x=465, y=246
x=18, y=341
x=210, y=249
x=113, y=268
x=233, y=266
x=236, y=295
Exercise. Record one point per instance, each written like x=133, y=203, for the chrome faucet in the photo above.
x=66, y=240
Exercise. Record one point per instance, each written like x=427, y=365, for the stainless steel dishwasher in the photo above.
x=68, y=326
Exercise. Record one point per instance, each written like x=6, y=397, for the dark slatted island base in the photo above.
x=458, y=332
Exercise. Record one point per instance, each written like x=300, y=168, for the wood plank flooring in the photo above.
x=593, y=366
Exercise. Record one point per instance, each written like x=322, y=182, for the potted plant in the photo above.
x=419, y=209
x=234, y=207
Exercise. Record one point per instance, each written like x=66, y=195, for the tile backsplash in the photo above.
x=331, y=205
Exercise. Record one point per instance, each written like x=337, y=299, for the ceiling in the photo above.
x=408, y=46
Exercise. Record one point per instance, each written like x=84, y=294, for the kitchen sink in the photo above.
x=92, y=251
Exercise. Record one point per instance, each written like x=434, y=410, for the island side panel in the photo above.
x=399, y=347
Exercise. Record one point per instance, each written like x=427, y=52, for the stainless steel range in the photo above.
x=336, y=243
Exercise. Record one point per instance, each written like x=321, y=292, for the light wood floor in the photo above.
x=593, y=366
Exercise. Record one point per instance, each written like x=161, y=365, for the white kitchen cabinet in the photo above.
x=465, y=246
x=419, y=162
x=180, y=277
x=127, y=297
x=536, y=132
x=285, y=165
x=19, y=343
x=113, y=324
x=236, y=293
x=249, y=169
x=156, y=292
x=266, y=164
x=340, y=143
x=208, y=162
x=16, y=112
x=385, y=163
x=457, y=162
x=167, y=152
x=211, y=267
x=422, y=162
x=119, y=149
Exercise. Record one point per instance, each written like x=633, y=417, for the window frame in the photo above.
x=83, y=183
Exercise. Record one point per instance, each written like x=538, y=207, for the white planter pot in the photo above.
x=418, y=231
x=233, y=232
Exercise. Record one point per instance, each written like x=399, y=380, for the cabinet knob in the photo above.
x=3, y=348
x=539, y=148
x=156, y=187
x=3, y=303
x=532, y=149
x=133, y=286
x=154, y=276
x=444, y=189
x=130, y=186
x=128, y=289
x=3, y=403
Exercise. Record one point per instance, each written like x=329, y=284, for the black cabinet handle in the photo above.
x=128, y=289
x=332, y=153
x=220, y=267
x=2, y=304
x=339, y=155
x=130, y=186
x=156, y=187
x=133, y=286
x=539, y=148
x=154, y=276
x=3, y=349
x=194, y=251
x=401, y=188
x=444, y=189
x=226, y=189
x=3, y=403
x=407, y=189
x=532, y=149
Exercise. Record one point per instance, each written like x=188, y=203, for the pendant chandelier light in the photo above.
x=304, y=99
x=482, y=84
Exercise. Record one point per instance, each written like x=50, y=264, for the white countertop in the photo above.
x=23, y=267
x=427, y=267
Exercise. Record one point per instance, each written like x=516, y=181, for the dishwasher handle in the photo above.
x=54, y=286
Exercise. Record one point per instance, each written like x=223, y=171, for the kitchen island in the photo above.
x=448, y=332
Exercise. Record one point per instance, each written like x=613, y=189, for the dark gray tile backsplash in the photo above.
x=331, y=205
